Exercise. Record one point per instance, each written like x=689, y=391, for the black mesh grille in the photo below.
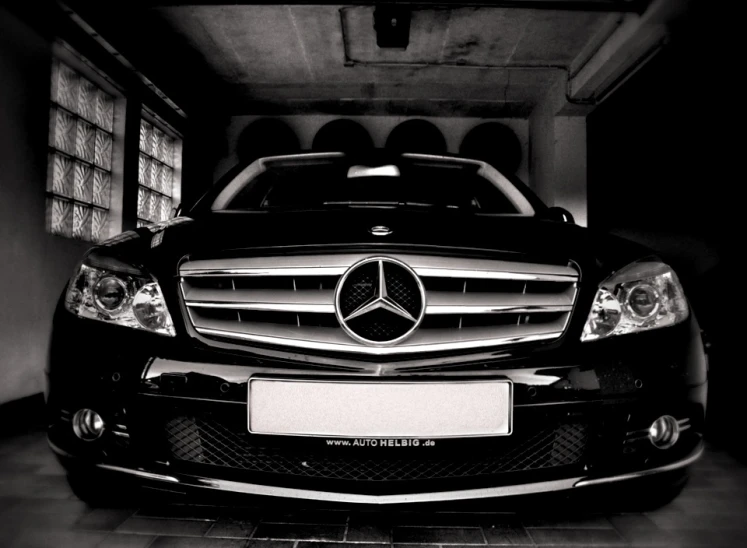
x=360, y=287
x=402, y=288
x=210, y=441
x=380, y=325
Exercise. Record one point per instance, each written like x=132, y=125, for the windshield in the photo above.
x=319, y=182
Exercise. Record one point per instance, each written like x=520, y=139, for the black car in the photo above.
x=375, y=329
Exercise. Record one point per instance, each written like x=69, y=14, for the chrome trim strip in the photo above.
x=288, y=271
x=687, y=461
x=378, y=350
x=251, y=296
x=430, y=309
x=299, y=302
x=446, y=298
x=488, y=492
x=139, y=473
x=356, y=498
x=339, y=271
x=336, y=265
x=492, y=309
x=437, y=272
x=239, y=374
x=268, y=307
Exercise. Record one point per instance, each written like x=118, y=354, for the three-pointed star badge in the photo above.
x=380, y=300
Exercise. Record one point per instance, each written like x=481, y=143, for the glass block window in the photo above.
x=156, y=175
x=80, y=157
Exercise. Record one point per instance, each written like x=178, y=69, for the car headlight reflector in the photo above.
x=100, y=290
x=109, y=293
x=644, y=295
x=150, y=309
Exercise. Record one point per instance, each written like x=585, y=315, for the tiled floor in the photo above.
x=37, y=508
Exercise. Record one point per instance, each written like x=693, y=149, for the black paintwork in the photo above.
x=621, y=383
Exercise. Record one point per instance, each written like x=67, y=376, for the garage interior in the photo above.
x=611, y=109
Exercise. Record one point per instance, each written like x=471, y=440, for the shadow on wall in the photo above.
x=342, y=136
x=495, y=144
x=492, y=142
x=266, y=137
x=417, y=136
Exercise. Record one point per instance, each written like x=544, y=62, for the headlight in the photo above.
x=644, y=295
x=111, y=291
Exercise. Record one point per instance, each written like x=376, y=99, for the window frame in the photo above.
x=149, y=116
x=63, y=53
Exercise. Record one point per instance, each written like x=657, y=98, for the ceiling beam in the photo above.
x=135, y=35
x=628, y=48
x=616, y=6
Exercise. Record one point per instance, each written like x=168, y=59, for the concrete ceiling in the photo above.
x=308, y=57
x=282, y=59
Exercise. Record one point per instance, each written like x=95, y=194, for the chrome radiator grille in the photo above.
x=290, y=301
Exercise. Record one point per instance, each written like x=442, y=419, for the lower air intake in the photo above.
x=204, y=440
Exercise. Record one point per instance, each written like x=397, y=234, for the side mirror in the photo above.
x=558, y=214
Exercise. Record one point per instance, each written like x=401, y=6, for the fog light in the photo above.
x=88, y=425
x=664, y=432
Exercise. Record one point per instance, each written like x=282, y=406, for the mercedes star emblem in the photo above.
x=380, y=301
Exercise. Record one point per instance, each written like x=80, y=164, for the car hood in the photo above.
x=245, y=233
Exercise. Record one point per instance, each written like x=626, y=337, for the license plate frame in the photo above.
x=502, y=387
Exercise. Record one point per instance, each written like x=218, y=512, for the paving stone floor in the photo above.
x=37, y=508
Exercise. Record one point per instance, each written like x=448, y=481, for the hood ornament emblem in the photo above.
x=380, y=301
x=380, y=230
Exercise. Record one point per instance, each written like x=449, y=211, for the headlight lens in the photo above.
x=109, y=293
x=108, y=290
x=644, y=295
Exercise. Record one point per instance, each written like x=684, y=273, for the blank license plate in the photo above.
x=365, y=409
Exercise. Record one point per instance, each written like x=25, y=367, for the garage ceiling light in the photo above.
x=392, y=25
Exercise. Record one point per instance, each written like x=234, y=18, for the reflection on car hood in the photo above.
x=243, y=233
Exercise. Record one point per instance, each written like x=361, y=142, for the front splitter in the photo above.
x=188, y=481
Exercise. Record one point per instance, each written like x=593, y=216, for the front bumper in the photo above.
x=188, y=482
x=614, y=389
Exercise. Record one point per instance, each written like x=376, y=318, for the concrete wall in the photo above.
x=35, y=265
x=569, y=181
x=379, y=127
x=557, y=159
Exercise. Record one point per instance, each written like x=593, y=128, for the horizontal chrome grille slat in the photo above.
x=447, y=302
x=290, y=301
x=336, y=265
x=492, y=309
x=313, y=301
x=322, y=302
x=320, y=338
x=267, y=307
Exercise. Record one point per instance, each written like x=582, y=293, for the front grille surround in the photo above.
x=289, y=301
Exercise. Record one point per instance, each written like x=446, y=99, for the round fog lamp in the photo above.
x=664, y=432
x=88, y=425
